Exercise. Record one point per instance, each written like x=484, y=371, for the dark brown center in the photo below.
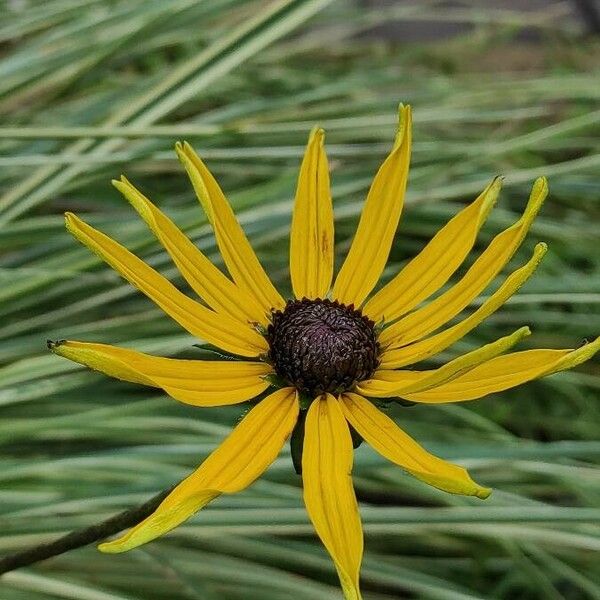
x=322, y=346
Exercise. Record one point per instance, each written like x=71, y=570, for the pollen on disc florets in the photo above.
x=322, y=346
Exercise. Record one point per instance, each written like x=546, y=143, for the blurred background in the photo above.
x=90, y=89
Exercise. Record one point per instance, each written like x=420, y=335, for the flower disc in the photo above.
x=322, y=346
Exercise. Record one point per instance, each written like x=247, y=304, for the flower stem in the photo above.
x=82, y=537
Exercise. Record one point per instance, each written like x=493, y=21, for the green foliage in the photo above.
x=93, y=88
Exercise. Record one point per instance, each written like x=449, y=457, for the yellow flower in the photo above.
x=327, y=349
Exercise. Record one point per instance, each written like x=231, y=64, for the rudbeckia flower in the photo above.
x=319, y=359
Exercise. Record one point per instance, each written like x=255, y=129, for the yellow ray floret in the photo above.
x=505, y=372
x=401, y=356
x=220, y=293
x=435, y=264
x=243, y=457
x=311, y=236
x=388, y=384
x=476, y=279
x=241, y=261
x=328, y=492
x=379, y=431
x=378, y=222
x=196, y=382
x=200, y=321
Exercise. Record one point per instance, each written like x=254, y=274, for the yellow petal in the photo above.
x=200, y=321
x=243, y=457
x=390, y=441
x=196, y=382
x=431, y=268
x=311, y=237
x=205, y=279
x=377, y=226
x=484, y=269
x=328, y=492
x=389, y=384
x=399, y=357
x=505, y=372
x=244, y=266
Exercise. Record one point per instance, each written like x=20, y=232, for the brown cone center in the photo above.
x=322, y=346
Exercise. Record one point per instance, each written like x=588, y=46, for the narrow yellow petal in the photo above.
x=377, y=226
x=505, y=372
x=241, y=261
x=220, y=293
x=328, y=492
x=399, y=357
x=449, y=304
x=390, y=441
x=200, y=321
x=431, y=268
x=389, y=384
x=243, y=457
x=311, y=237
x=196, y=382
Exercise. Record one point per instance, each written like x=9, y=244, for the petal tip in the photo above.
x=123, y=186
x=497, y=182
x=53, y=345
x=71, y=221
x=188, y=156
x=540, y=249
x=317, y=134
x=539, y=191
x=586, y=351
x=180, y=151
x=490, y=197
x=404, y=116
x=592, y=347
x=595, y=342
x=538, y=194
x=523, y=331
x=110, y=548
x=403, y=133
x=403, y=109
x=483, y=493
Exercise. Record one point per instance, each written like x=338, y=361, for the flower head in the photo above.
x=321, y=354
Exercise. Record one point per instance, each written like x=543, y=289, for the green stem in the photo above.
x=82, y=537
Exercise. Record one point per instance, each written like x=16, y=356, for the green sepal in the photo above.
x=305, y=400
x=297, y=441
x=211, y=350
x=260, y=328
x=275, y=380
x=379, y=326
x=404, y=403
x=357, y=439
x=386, y=403
x=382, y=403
